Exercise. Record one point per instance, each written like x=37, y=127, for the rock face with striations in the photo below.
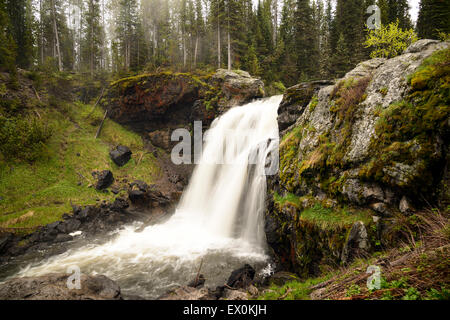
x=376, y=137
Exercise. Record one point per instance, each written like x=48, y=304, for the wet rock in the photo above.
x=188, y=293
x=54, y=287
x=104, y=179
x=5, y=241
x=120, y=204
x=63, y=238
x=242, y=277
x=197, y=283
x=120, y=155
x=141, y=194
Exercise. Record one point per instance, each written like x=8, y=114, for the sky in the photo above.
x=414, y=11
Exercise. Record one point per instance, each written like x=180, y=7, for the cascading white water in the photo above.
x=219, y=219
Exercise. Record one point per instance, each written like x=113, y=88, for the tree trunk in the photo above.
x=41, y=30
x=228, y=39
x=218, y=41
x=55, y=28
x=195, y=52
x=92, y=40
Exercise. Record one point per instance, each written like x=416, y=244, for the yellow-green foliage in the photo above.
x=405, y=130
x=313, y=103
x=47, y=186
x=389, y=41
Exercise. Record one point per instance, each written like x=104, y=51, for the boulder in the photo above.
x=55, y=287
x=160, y=139
x=104, y=179
x=242, y=277
x=120, y=155
x=237, y=86
x=357, y=242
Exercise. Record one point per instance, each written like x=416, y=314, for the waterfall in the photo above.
x=226, y=186
x=219, y=218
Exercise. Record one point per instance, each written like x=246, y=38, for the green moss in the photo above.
x=328, y=218
x=313, y=103
x=406, y=131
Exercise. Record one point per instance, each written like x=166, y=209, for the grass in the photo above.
x=329, y=218
x=292, y=290
x=324, y=217
x=63, y=174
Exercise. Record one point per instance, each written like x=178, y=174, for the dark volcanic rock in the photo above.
x=55, y=287
x=242, y=277
x=120, y=155
x=142, y=194
x=104, y=179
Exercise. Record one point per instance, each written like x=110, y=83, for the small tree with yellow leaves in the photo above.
x=389, y=40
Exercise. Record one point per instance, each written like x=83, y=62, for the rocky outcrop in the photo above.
x=153, y=102
x=84, y=222
x=237, y=88
x=238, y=287
x=55, y=287
x=295, y=100
x=141, y=194
x=360, y=151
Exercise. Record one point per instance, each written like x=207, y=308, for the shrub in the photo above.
x=389, y=41
x=22, y=138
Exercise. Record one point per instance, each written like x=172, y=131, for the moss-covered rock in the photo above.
x=150, y=102
x=379, y=135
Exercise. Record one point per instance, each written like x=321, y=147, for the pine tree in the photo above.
x=398, y=10
x=434, y=17
x=7, y=44
x=93, y=33
x=305, y=40
x=348, y=28
x=21, y=21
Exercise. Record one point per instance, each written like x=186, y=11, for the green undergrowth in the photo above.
x=292, y=290
x=63, y=173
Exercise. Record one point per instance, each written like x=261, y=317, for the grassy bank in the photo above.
x=39, y=192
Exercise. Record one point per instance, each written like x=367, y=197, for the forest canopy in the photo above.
x=278, y=40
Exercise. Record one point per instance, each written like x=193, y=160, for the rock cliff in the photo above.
x=356, y=154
